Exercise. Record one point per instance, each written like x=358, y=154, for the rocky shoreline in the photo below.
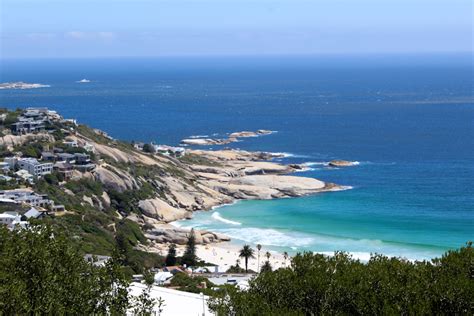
x=203, y=180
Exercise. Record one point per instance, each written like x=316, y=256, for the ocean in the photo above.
x=408, y=121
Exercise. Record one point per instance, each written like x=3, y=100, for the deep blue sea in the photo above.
x=408, y=121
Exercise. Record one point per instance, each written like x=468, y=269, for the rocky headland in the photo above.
x=233, y=137
x=200, y=180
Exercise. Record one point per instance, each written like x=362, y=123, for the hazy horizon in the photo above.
x=145, y=28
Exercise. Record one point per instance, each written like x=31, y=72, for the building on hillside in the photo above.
x=27, y=196
x=4, y=166
x=27, y=126
x=34, y=167
x=8, y=218
x=65, y=169
x=11, y=161
x=66, y=157
x=34, y=213
x=25, y=175
x=170, y=150
x=71, y=143
x=48, y=156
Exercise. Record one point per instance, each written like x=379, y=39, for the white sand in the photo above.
x=225, y=254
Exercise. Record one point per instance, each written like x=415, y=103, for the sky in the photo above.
x=113, y=28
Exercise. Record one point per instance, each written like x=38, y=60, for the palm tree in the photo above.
x=268, y=255
x=246, y=252
x=259, y=247
x=285, y=255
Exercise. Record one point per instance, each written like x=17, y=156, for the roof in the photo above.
x=47, y=154
x=33, y=213
x=65, y=155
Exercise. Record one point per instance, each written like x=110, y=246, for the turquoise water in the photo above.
x=408, y=120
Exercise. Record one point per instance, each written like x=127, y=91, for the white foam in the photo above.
x=217, y=216
x=268, y=237
x=198, y=136
x=316, y=163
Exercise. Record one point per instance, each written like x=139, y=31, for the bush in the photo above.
x=41, y=273
x=339, y=285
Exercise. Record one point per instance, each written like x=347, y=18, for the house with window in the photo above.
x=34, y=167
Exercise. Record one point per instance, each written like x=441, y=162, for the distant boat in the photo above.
x=83, y=81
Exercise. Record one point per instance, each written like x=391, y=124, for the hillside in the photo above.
x=113, y=187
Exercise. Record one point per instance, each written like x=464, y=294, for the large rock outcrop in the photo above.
x=115, y=179
x=18, y=140
x=162, y=211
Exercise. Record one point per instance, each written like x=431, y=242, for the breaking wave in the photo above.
x=217, y=216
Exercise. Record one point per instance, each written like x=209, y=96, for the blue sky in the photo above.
x=99, y=28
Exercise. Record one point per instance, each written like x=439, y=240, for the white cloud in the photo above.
x=79, y=35
x=76, y=35
x=40, y=36
x=106, y=35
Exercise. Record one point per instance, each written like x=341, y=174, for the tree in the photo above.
x=246, y=252
x=259, y=247
x=144, y=304
x=171, y=256
x=41, y=272
x=149, y=148
x=189, y=257
x=267, y=267
x=316, y=284
x=285, y=256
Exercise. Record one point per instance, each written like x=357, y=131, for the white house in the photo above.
x=34, y=167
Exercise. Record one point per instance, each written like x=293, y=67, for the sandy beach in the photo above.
x=225, y=254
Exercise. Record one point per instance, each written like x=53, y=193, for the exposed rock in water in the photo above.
x=207, y=141
x=342, y=163
x=243, y=134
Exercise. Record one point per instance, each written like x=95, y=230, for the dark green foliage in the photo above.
x=189, y=257
x=41, y=273
x=127, y=202
x=267, y=267
x=54, y=178
x=86, y=187
x=11, y=118
x=235, y=269
x=31, y=149
x=171, y=256
x=193, y=159
x=148, y=148
x=127, y=237
x=191, y=284
x=320, y=285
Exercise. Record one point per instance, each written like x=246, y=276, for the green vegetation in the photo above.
x=189, y=257
x=319, y=285
x=171, y=259
x=194, y=284
x=12, y=117
x=127, y=202
x=42, y=273
x=86, y=187
x=148, y=148
x=193, y=159
x=247, y=253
